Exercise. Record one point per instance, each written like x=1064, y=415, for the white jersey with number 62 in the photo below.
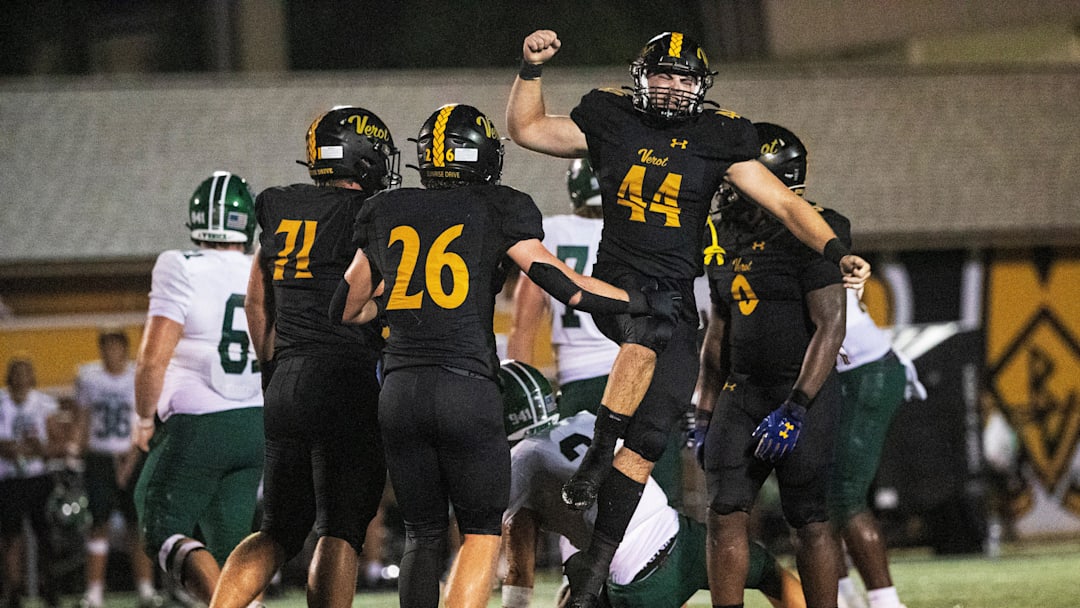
x=213, y=368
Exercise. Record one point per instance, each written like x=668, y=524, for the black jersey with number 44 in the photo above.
x=758, y=285
x=442, y=255
x=657, y=179
x=307, y=240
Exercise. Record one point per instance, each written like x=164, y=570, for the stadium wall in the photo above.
x=961, y=185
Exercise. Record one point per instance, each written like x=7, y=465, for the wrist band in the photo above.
x=702, y=417
x=834, y=250
x=530, y=71
x=798, y=397
x=146, y=423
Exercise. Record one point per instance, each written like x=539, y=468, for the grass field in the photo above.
x=1027, y=575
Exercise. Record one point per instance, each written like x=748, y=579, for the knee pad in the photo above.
x=648, y=442
x=174, y=552
x=722, y=508
x=651, y=430
x=650, y=332
x=802, y=513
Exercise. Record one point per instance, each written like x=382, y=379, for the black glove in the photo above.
x=653, y=302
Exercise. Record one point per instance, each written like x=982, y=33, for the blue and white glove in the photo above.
x=779, y=431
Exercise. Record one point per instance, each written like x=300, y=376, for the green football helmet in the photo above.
x=528, y=400
x=582, y=184
x=222, y=210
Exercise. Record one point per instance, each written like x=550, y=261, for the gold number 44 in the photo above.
x=664, y=201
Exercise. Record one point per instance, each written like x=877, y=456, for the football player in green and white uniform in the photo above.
x=661, y=561
x=198, y=394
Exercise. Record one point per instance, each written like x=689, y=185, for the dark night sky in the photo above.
x=342, y=34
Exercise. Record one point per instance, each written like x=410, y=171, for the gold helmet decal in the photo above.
x=675, y=46
x=438, y=137
x=312, y=149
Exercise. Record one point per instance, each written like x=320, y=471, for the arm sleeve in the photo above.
x=553, y=281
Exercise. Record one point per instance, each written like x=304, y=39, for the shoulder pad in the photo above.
x=613, y=91
x=727, y=113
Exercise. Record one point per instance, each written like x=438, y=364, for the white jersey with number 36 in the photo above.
x=110, y=401
x=213, y=368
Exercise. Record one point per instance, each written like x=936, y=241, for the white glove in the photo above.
x=914, y=389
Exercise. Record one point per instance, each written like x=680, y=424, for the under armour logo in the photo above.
x=728, y=386
x=680, y=143
x=759, y=246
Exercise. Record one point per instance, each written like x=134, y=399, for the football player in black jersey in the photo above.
x=660, y=154
x=770, y=396
x=432, y=260
x=325, y=467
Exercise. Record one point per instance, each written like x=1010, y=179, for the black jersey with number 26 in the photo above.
x=441, y=254
x=657, y=179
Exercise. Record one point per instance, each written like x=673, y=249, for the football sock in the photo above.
x=849, y=596
x=885, y=597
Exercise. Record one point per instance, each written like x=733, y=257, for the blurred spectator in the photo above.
x=25, y=483
x=105, y=395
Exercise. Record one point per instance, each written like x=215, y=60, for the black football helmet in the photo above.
x=352, y=143
x=671, y=53
x=458, y=143
x=582, y=184
x=783, y=154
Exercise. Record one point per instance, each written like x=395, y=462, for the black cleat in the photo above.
x=586, y=588
x=579, y=493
